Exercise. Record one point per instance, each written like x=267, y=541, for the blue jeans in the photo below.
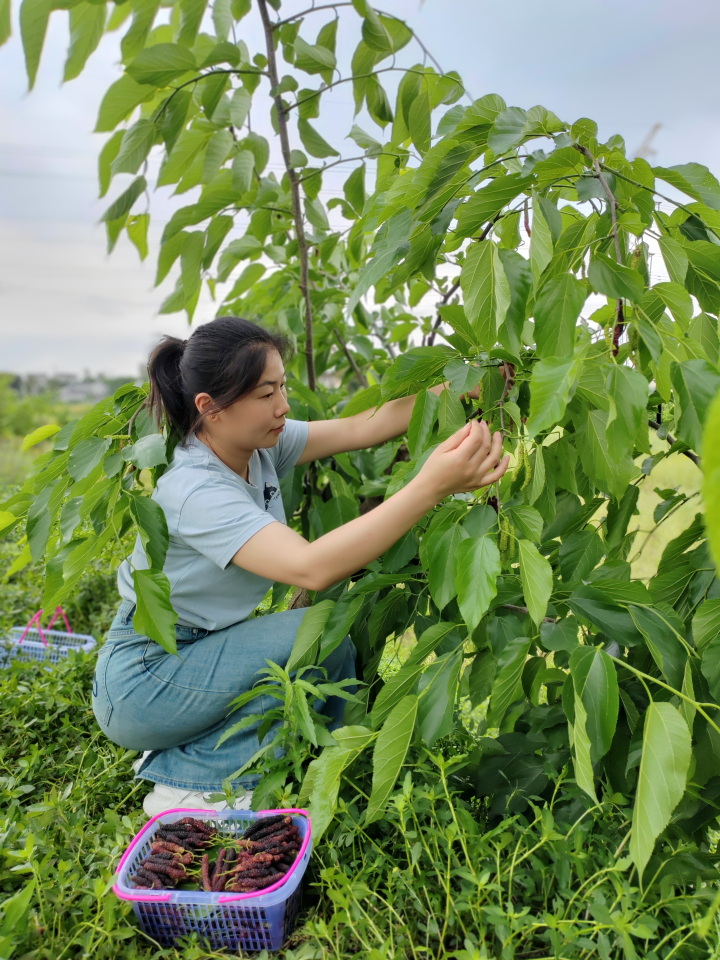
x=177, y=707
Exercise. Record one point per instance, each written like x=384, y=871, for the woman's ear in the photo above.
x=203, y=401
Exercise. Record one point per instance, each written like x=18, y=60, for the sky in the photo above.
x=66, y=306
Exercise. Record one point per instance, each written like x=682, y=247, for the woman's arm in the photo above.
x=366, y=429
x=465, y=462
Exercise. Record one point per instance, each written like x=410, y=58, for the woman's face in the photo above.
x=256, y=420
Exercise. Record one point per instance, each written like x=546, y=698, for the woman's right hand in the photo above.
x=466, y=461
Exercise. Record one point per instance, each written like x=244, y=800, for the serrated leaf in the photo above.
x=313, y=58
x=389, y=754
x=37, y=436
x=595, y=683
x=556, y=312
x=581, y=744
x=148, y=452
x=627, y=392
x=666, y=754
x=402, y=682
x=676, y=260
x=706, y=624
x=390, y=245
x=508, y=672
x=307, y=640
x=537, y=580
x=696, y=383
x=488, y=201
x=153, y=528
x=476, y=571
x=315, y=145
x=87, y=22
x=160, y=64
x=551, y=387
x=124, y=203
x=614, y=279
x=438, y=693
x=34, y=15
x=422, y=420
x=86, y=456
x=486, y=291
x=154, y=616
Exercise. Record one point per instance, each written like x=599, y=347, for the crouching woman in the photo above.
x=223, y=392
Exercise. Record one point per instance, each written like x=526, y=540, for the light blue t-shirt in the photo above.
x=211, y=512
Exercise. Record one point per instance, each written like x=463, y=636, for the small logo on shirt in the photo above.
x=270, y=494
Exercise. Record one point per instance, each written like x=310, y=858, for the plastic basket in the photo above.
x=35, y=643
x=225, y=921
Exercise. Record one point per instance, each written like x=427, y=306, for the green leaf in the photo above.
x=391, y=748
x=313, y=58
x=693, y=179
x=551, y=388
x=401, y=683
x=663, y=772
x=315, y=145
x=487, y=202
x=527, y=521
x=243, y=166
x=441, y=551
x=150, y=518
x=581, y=744
x=86, y=456
x=486, y=291
x=390, y=245
x=87, y=22
x=476, y=571
x=324, y=775
x=695, y=382
x=307, y=639
x=591, y=442
x=34, y=15
x=414, y=368
x=5, y=21
x=137, y=231
x=506, y=685
x=580, y=553
x=556, y=312
x=422, y=420
x=706, y=624
x=676, y=260
x=537, y=580
x=507, y=130
x=105, y=160
x=160, y=64
x=149, y=451
x=37, y=436
x=615, y=280
x=677, y=300
x=711, y=666
x=627, y=392
x=541, y=243
x=362, y=400
x=660, y=630
x=339, y=622
x=711, y=477
x=154, y=617
x=595, y=683
x=438, y=692
x=122, y=206
x=136, y=145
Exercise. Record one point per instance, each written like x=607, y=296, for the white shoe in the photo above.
x=163, y=798
x=140, y=761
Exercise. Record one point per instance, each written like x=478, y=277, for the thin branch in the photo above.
x=512, y=606
x=351, y=359
x=304, y=13
x=438, y=319
x=654, y=425
x=334, y=164
x=303, y=255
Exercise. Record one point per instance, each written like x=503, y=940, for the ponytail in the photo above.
x=224, y=358
x=167, y=397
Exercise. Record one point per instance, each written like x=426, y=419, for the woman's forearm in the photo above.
x=281, y=554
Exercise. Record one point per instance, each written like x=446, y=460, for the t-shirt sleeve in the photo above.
x=216, y=520
x=290, y=446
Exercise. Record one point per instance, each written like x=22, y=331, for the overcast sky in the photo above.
x=66, y=306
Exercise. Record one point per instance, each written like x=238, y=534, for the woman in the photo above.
x=223, y=392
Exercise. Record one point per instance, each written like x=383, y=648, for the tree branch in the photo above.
x=351, y=359
x=512, y=606
x=304, y=13
x=294, y=193
x=438, y=320
x=671, y=440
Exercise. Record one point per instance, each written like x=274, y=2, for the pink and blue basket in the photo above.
x=224, y=921
x=34, y=642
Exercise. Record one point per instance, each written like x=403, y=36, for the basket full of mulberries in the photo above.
x=233, y=877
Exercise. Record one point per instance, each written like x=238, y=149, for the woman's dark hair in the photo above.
x=224, y=358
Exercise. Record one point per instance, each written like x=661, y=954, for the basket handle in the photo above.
x=63, y=615
x=34, y=621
